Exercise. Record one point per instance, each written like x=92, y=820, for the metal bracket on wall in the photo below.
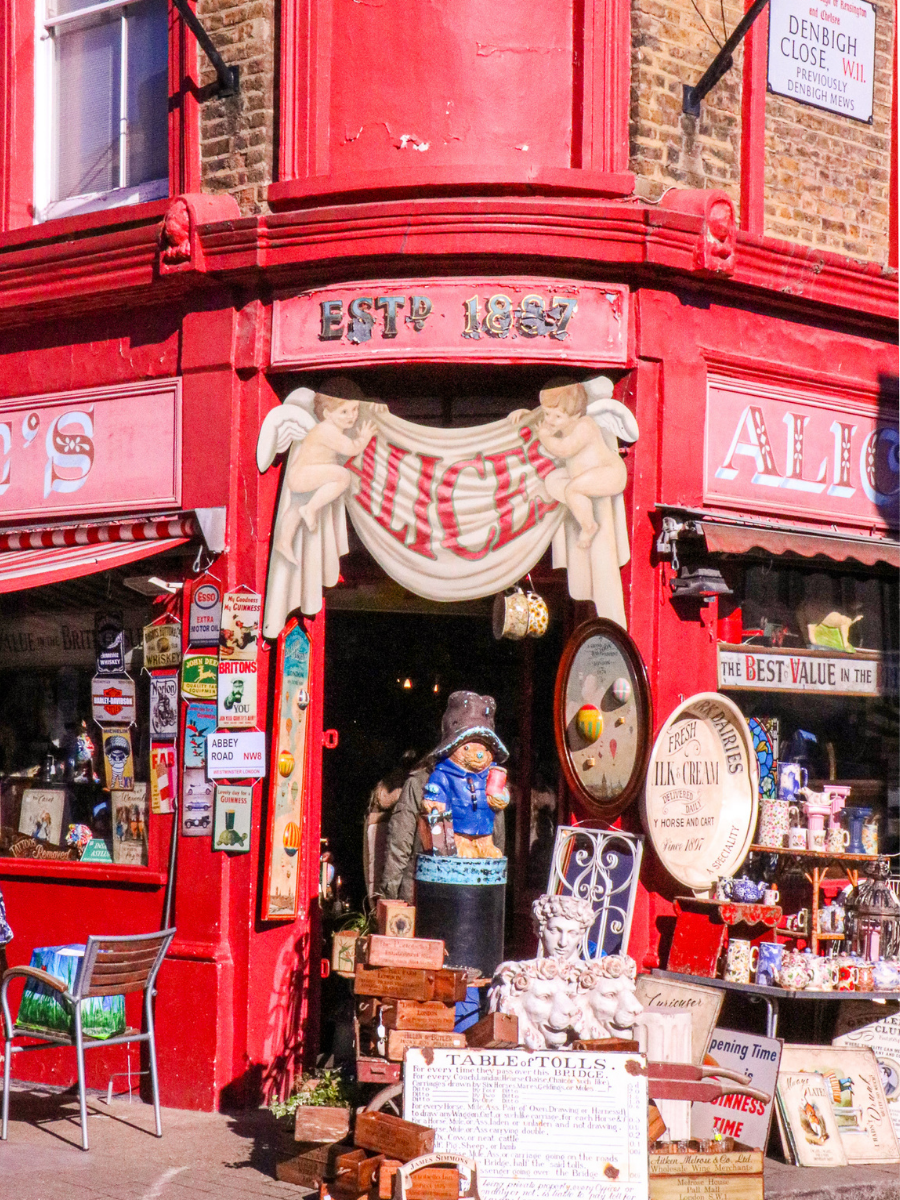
x=228, y=77
x=721, y=64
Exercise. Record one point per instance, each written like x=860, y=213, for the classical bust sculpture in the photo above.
x=558, y=997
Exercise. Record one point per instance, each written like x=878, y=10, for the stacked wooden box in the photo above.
x=405, y=996
x=383, y=1143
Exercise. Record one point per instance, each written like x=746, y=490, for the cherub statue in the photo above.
x=580, y=424
x=324, y=444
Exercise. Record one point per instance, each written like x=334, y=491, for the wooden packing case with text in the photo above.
x=729, y=1175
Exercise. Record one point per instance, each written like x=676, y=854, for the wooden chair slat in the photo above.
x=113, y=989
x=118, y=975
x=127, y=959
x=112, y=946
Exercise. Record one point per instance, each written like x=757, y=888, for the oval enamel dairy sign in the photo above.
x=700, y=805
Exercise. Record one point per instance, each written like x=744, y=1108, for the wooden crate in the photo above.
x=396, y=983
x=496, y=1031
x=431, y=1183
x=304, y=1163
x=377, y=1070
x=378, y=951
x=401, y=1040
x=733, y=1175
x=395, y=918
x=392, y=1136
x=321, y=1124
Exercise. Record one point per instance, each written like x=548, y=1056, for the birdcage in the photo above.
x=873, y=914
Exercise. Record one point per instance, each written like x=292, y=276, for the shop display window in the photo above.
x=832, y=632
x=56, y=802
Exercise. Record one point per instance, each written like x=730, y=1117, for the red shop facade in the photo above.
x=141, y=352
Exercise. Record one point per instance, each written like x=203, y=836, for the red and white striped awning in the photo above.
x=46, y=554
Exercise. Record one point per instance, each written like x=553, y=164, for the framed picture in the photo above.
x=287, y=776
x=858, y=1101
x=603, y=717
x=130, y=821
x=44, y=813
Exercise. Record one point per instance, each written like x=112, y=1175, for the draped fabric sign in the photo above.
x=451, y=514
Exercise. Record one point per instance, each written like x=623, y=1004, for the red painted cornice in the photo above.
x=92, y=262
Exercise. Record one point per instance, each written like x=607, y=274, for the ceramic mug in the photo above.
x=815, y=839
x=791, y=778
x=774, y=823
x=538, y=615
x=848, y=977
x=796, y=838
x=769, y=964
x=869, y=836
x=771, y=896
x=511, y=615
x=741, y=961
x=837, y=839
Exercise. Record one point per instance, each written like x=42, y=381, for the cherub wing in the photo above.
x=609, y=414
x=283, y=426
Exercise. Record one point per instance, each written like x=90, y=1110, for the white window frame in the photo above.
x=45, y=207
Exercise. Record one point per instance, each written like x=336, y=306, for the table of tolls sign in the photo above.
x=822, y=52
x=566, y=1125
x=236, y=755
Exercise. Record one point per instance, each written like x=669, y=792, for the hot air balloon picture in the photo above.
x=603, y=717
x=287, y=777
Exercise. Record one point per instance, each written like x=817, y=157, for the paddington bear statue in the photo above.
x=460, y=782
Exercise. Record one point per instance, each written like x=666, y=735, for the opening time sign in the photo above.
x=822, y=53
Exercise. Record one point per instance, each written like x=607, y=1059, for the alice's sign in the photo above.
x=777, y=450
x=446, y=320
x=75, y=452
x=823, y=54
x=450, y=514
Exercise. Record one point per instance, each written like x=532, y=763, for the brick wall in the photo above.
x=672, y=46
x=237, y=133
x=826, y=176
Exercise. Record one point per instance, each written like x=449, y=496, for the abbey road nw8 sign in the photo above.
x=443, y=320
x=823, y=54
x=566, y=1125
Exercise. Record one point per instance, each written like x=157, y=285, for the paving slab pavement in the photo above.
x=231, y=1156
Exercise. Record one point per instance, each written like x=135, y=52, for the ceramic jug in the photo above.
x=774, y=822
x=855, y=818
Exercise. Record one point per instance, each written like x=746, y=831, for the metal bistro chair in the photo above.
x=111, y=966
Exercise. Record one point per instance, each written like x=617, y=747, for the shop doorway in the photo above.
x=391, y=663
